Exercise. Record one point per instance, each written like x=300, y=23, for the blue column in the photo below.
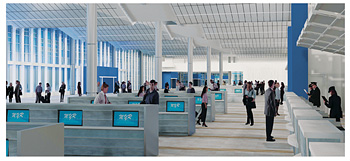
x=297, y=56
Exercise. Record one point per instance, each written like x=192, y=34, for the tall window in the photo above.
x=35, y=71
x=69, y=48
x=84, y=54
x=49, y=76
x=18, y=68
x=98, y=54
x=43, y=46
x=26, y=45
x=57, y=80
x=62, y=48
x=43, y=83
x=9, y=36
x=35, y=44
x=103, y=54
x=111, y=52
x=49, y=46
x=68, y=79
x=62, y=75
x=18, y=44
x=27, y=78
x=57, y=48
x=79, y=51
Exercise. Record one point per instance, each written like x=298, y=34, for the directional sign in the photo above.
x=175, y=106
x=70, y=117
x=17, y=116
x=218, y=96
x=238, y=90
x=126, y=118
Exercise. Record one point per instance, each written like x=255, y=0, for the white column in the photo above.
x=220, y=67
x=208, y=65
x=158, y=55
x=190, y=60
x=32, y=55
x=72, y=67
x=91, y=50
x=14, y=56
x=142, y=76
x=59, y=58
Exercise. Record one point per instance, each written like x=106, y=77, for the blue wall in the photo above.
x=103, y=71
x=166, y=77
x=297, y=56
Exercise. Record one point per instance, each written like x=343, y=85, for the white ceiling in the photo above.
x=325, y=29
x=237, y=29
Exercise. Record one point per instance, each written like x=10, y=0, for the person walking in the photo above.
x=79, y=88
x=18, y=92
x=270, y=110
x=116, y=87
x=62, y=91
x=123, y=87
x=38, y=91
x=203, y=114
x=334, y=103
x=11, y=92
x=277, y=97
x=48, y=92
x=129, y=87
x=282, y=92
x=250, y=100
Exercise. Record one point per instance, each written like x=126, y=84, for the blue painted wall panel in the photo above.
x=103, y=71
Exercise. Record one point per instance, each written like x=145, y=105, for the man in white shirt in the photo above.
x=101, y=98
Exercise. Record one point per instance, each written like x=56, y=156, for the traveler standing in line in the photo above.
x=38, y=91
x=151, y=96
x=7, y=92
x=142, y=91
x=190, y=88
x=203, y=114
x=48, y=92
x=123, y=87
x=101, y=98
x=18, y=92
x=116, y=87
x=62, y=91
x=270, y=110
x=250, y=97
x=277, y=97
x=334, y=103
x=316, y=95
x=10, y=90
x=129, y=87
x=282, y=92
x=79, y=89
x=166, y=89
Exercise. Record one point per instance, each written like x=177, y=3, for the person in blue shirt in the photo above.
x=250, y=95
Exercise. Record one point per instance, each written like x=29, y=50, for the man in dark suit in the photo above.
x=62, y=91
x=334, y=104
x=316, y=95
x=311, y=91
x=10, y=91
x=18, y=92
x=270, y=110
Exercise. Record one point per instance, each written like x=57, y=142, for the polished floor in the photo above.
x=229, y=136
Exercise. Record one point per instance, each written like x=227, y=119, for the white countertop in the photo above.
x=327, y=149
x=299, y=105
x=307, y=114
x=292, y=140
x=319, y=129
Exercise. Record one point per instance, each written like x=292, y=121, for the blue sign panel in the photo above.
x=7, y=147
x=92, y=101
x=218, y=96
x=198, y=100
x=126, y=118
x=17, y=116
x=175, y=106
x=170, y=96
x=238, y=90
x=70, y=117
x=134, y=102
x=222, y=89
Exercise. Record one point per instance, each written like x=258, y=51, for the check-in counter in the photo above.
x=34, y=139
x=101, y=130
x=327, y=149
x=220, y=101
x=317, y=131
x=301, y=114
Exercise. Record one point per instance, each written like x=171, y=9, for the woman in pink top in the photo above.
x=203, y=115
x=142, y=91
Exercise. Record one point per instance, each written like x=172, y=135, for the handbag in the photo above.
x=20, y=92
x=251, y=104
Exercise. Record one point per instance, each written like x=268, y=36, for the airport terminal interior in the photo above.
x=175, y=79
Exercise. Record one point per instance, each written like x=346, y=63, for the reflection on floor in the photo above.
x=229, y=136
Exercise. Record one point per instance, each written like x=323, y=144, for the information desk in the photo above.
x=303, y=114
x=317, y=131
x=296, y=106
x=322, y=149
x=97, y=119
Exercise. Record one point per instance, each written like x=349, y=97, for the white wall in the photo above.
x=327, y=69
x=253, y=69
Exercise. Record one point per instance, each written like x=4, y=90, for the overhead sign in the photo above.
x=198, y=100
x=134, y=102
x=126, y=118
x=175, y=106
x=70, y=117
x=17, y=115
x=218, y=96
